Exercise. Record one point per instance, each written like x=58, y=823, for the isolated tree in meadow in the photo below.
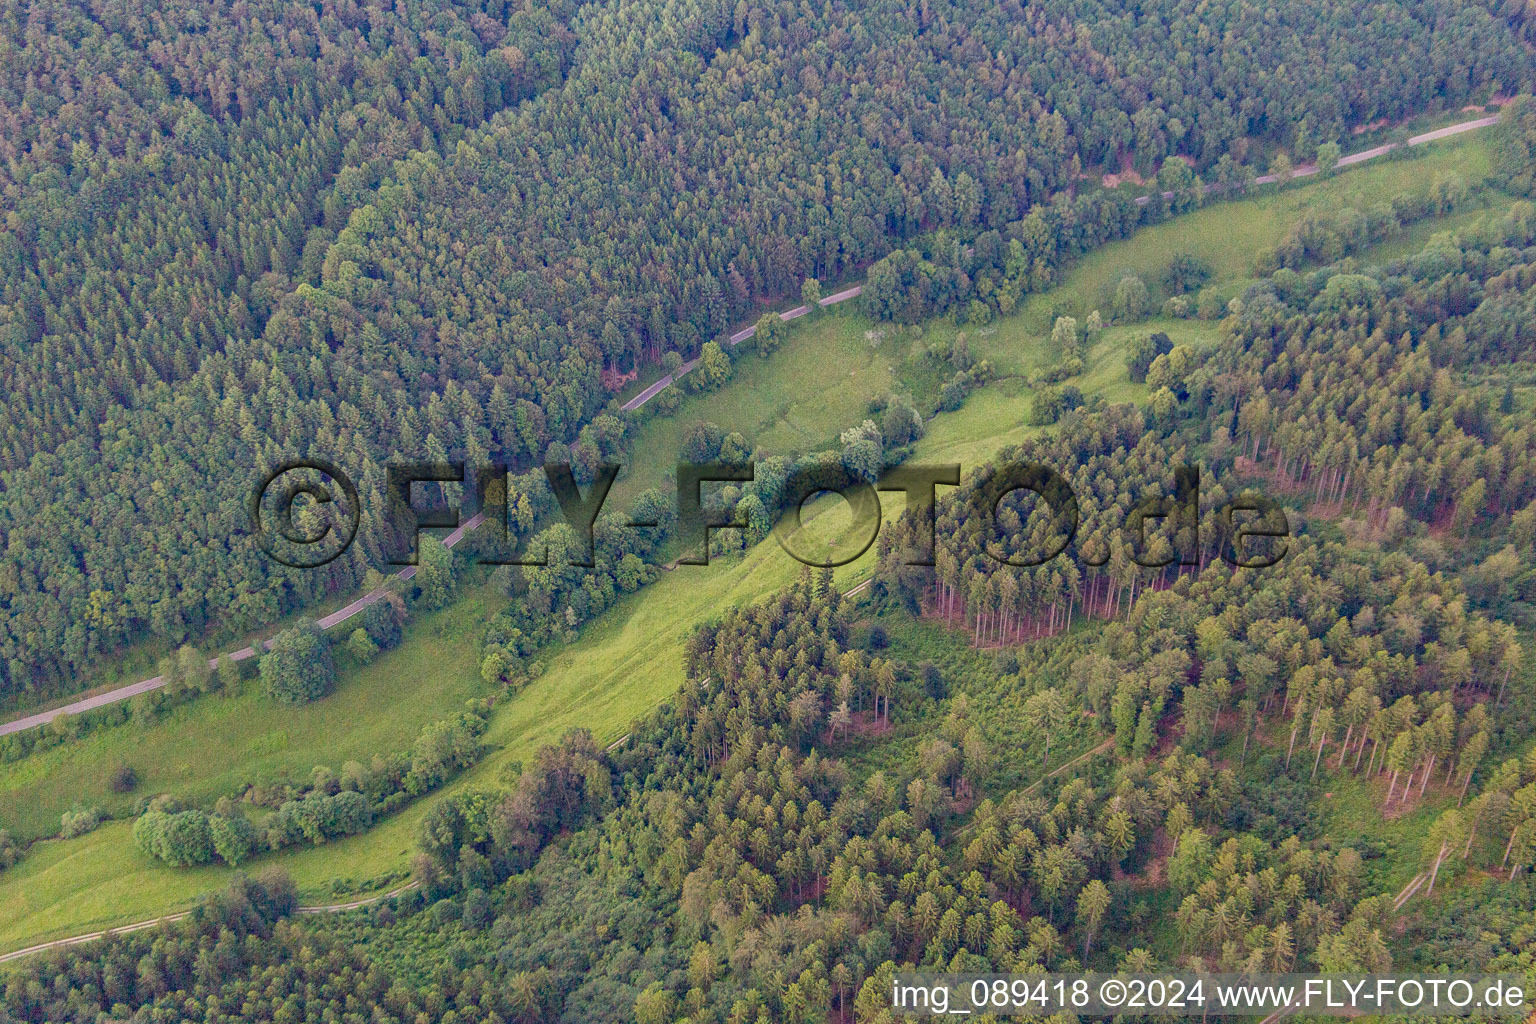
x=1131, y=300
x=714, y=367
x=298, y=667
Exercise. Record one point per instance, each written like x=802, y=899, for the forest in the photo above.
x=976, y=767
x=475, y=230
x=373, y=232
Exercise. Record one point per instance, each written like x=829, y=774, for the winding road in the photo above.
x=343, y=614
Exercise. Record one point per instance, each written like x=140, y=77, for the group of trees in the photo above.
x=242, y=238
x=238, y=956
x=1341, y=384
x=792, y=891
x=1314, y=239
x=997, y=575
x=332, y=806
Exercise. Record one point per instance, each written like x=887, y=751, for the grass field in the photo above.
x=629, y=660
x=209, y=747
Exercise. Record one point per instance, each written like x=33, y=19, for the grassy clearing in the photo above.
x=212, y=746
x=629, y=660
x=817, y=385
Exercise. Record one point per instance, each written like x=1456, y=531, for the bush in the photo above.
x=78, y=822
x=124, y=779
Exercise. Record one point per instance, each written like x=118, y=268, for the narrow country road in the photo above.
x=335, y=618
x=74, y=940
x=343, y=614
x=1307, y=170
x=736, y=339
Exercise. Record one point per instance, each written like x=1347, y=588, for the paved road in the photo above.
x=335, y=618
x=735, y=339
x=1307, y=170
x=343, y=614
x=75, y=940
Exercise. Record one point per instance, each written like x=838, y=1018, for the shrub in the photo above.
x=361, y=646
x=124, y=779
x=79, y=821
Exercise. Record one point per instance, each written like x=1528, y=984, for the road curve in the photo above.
x=335, y=618
x=343, y=614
